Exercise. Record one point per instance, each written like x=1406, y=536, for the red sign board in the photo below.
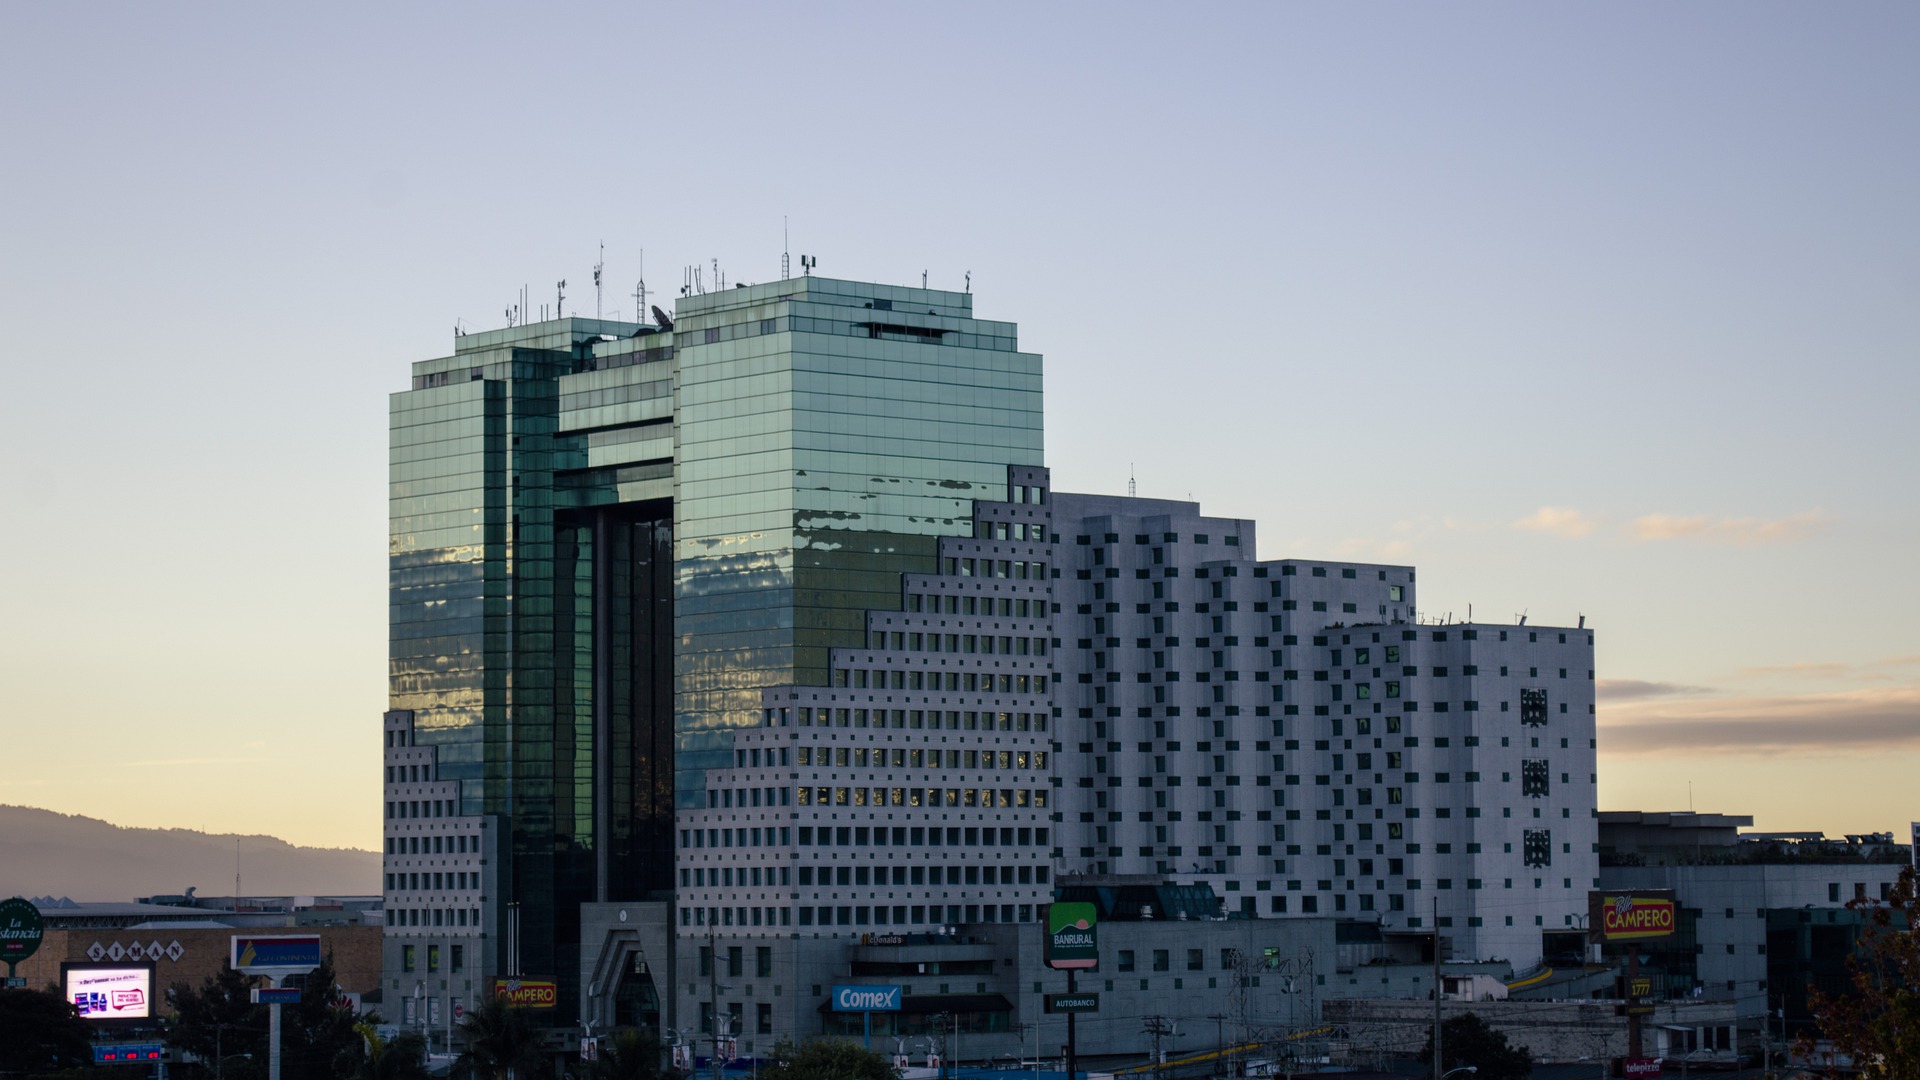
x=1632, y=916
x=527, y=993
x=1634, y=1068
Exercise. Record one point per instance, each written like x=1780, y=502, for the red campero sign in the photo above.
x=1630, y=916
x=527, y=993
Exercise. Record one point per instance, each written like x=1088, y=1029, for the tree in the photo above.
x=501, y=1043
x=827, y=1059
x=318, y=1030
x=220, y=1026
x=1469, y=1042
x=632, y=1054
x=1878, y=1021
x=403, y=1057
x=40, y=1032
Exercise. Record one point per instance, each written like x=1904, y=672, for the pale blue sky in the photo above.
x=1579, y=308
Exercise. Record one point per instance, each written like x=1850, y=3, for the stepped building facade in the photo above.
x=755, y=653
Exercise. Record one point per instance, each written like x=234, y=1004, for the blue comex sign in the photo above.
x=866, y=999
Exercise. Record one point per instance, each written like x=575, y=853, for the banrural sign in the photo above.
x=1632, y=916
x=1072, y=937
x=866, y=999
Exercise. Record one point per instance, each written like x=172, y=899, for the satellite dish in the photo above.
x=661, y=318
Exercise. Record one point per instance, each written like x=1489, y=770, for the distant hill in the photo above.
x=47, y=854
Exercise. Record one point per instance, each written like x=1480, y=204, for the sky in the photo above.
x=1584, y=310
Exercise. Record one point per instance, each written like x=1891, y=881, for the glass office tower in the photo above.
x=607, y=537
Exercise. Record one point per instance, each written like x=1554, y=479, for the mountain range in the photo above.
x=43, y=853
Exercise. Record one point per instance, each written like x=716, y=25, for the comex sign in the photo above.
x=866, y=999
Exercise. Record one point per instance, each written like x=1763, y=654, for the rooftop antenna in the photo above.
x=597, y=267
x=1523, y=619
x=923, y=279
x=560, y=298
x=718, y=281
x=807, y=263
x=1132, y=489
x=640, y=291
x=785, y=270
x=969, y=281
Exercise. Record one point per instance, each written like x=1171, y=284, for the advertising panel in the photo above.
x=267, y=954
x=527, y=993
x=1072, y=937
x=1631, y=915
x=20, y=929
x=108, y=992
x=866, y=999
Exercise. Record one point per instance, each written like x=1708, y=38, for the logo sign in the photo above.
x=128, y=1053
x=275, y=954
x=1072, y=937
x=276, y=995
x=1066, y=1003
x=20, y=930
x=1640, y=1067
x=527, y=993
x=109, y=992
x=1632, y=916
x=866, y=999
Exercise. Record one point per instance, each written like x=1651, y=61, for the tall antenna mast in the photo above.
x=785, y=269
x=1131, y=489
x=560, y=297
x=597, y=267
x=640, y=291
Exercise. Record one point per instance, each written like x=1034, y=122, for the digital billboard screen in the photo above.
x=103, y=992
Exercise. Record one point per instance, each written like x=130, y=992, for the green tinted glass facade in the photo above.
x=828, y=431
x=607, y=538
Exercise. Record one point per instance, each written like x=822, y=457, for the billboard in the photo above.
x=527, y=993
x=866, y=998
x=266, y=954
x=108, y=992
x=1072, y=937
x=20, y=929
x=1631, y=915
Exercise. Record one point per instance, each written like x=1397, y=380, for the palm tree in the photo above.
x=630, y=1054
x=501, y=1043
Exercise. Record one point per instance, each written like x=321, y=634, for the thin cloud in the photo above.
x=1636, y=689
x=1855, y=722
x=1871, y=671
x=1805, y=669
x=1736, y=532
x=1562, y=521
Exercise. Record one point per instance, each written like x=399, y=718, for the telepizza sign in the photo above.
x=1632, y=916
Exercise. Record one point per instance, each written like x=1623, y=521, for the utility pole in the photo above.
x=1157, y=1027
x=713, y=993
x=1219, y=1041
x=1439, y=1067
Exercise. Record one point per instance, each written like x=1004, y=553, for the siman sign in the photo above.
x=1072, y=937
x=866, y=999
x=1631, y=916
